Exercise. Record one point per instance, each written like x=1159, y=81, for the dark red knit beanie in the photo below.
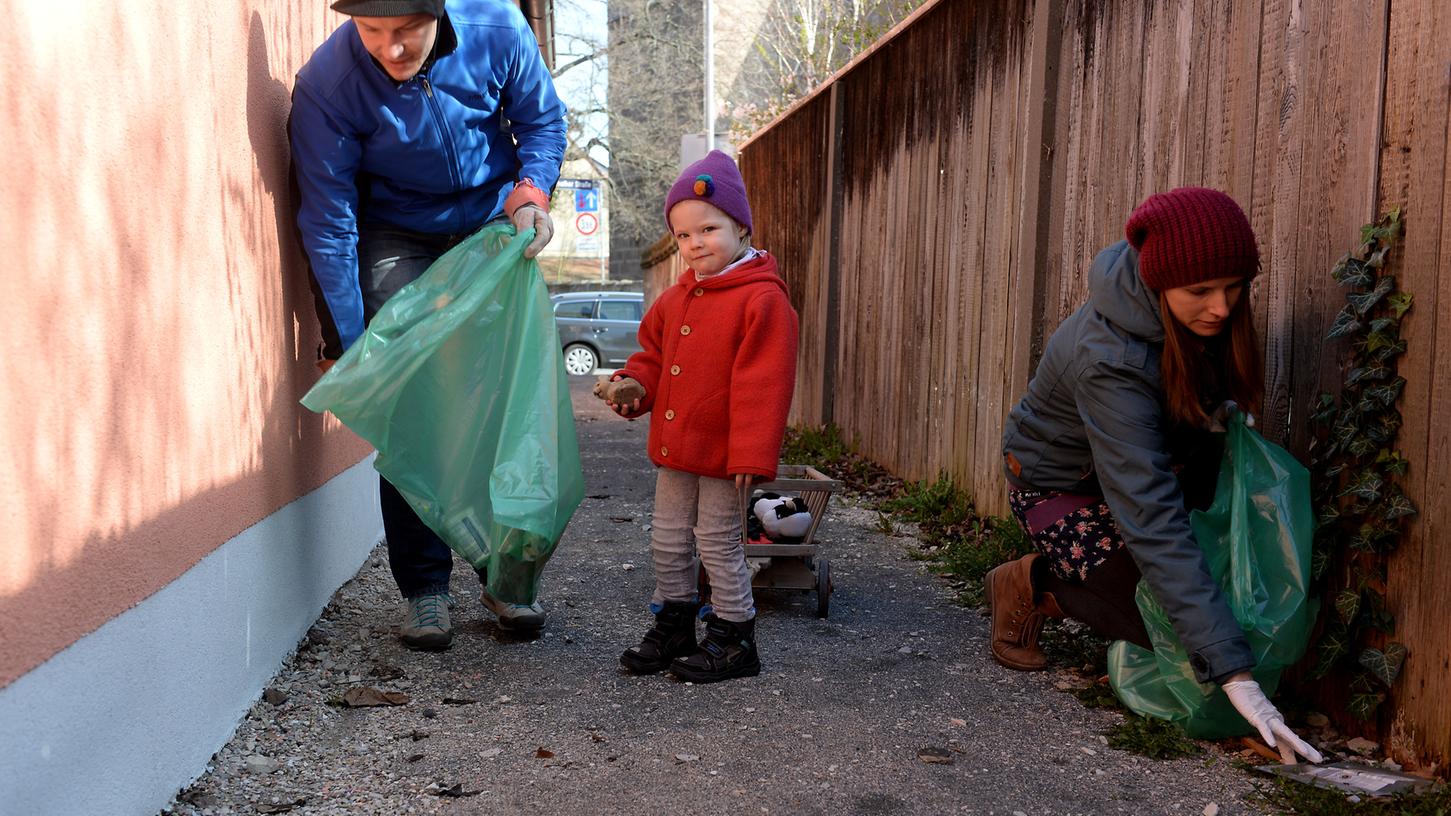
x=1191, y=235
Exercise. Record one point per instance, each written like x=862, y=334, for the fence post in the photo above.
x=1036, y=196
x=835, y=134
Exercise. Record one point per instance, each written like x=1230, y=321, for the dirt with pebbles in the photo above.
x=888, y=706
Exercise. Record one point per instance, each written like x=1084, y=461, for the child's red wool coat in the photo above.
x=718, y=362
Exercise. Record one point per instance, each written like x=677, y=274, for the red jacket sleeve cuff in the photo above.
x=525, y=193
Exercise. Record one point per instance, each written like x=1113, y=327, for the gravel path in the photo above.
x=839, y=722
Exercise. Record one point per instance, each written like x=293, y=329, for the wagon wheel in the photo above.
x=823, y=587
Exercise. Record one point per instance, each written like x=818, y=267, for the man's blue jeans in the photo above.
x=390, y=258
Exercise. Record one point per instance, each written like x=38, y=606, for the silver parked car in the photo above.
x=597, y=328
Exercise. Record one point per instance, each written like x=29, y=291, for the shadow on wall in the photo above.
x=189, y=430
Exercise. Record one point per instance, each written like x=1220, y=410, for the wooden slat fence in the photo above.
x=936, y=203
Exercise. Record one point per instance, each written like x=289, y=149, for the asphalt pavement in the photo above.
x=888, y=706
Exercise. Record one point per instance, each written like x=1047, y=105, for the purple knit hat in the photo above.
x=715, y=180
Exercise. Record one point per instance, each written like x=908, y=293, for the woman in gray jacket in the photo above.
x=1112, y=446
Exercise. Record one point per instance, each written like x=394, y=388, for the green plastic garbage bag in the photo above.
x=459, y=384
x=1256, y=537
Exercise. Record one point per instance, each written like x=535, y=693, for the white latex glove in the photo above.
x=531, y=216
x=1219, y=420
x=1250, y=701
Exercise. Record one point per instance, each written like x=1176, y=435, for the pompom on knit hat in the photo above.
x=388, y=8
x=1191, y=235
x=715, y=180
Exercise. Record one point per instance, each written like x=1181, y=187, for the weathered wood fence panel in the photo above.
x=969, y=167
x=1414, y=159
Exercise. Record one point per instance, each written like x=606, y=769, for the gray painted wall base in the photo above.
x=122, y=718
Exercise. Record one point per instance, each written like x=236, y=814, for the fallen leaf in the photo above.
x=597, y=737
x=385, y=671
x=276, y=698
x=491, y=753
x=414, y=758
x=364, y=696
x=622, y=519
x=959, y=723
x=417, y=735
x=458, y=701
x=686, y=757
x=543, y=753
x=280, y=807
x=1211, y=809
x=935, y=756
x=1261, y=749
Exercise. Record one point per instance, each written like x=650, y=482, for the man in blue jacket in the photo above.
x=414, y=124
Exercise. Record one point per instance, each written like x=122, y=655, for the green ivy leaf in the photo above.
x=1365, y=301
x=1361, y=446
x=1362, y=706
x=1384, y=666
x=1383, y=430
x=1347, y=605
x=1387, y=394
x=1392, y=462
x=1399, y=506
x=1400, y=303
x=1352, y=271
x=1334, y=645
x=1366, y=485
x=1377, y=258
x=1346, y=322
x=1387, y=353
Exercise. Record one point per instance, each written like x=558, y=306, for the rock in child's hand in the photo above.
x=620, y=392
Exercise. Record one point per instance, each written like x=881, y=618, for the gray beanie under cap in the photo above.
x=388, y=8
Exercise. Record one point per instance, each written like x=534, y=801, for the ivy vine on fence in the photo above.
x=1361, y=506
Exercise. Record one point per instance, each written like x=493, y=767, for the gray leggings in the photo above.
x=700, y=514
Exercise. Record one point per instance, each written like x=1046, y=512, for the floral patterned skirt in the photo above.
x=1075, y=533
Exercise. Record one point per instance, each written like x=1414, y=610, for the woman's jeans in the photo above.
x=389, y=259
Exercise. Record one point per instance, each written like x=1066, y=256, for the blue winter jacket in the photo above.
x=1093, y=422
x=436, y=154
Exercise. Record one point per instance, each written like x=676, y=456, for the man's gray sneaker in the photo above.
x=425, y=624
x=524, y=618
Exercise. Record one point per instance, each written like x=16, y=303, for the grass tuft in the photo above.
x=1153, y=738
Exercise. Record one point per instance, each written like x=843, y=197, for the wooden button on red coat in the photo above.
x=664, y=451
x=675, y=369
x=685, y=330
x=670, y=414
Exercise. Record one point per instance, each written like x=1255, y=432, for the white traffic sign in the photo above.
x=586, y=223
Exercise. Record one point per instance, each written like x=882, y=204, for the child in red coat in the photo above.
x=717, y=368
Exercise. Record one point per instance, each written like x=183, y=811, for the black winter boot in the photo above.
x=728, y=651
x=672, y=636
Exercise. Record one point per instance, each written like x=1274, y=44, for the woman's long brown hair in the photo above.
x=1185, y=368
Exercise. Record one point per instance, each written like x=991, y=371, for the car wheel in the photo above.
x=580, y=359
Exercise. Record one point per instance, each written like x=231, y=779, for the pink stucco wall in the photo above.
x=156, y=327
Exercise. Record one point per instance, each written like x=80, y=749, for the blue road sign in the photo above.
x=586, y=201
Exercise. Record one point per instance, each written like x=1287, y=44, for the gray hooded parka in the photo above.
x=1093, y=421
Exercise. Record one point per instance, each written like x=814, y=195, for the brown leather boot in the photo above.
x=1016, y=618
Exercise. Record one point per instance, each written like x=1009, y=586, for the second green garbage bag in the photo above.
x=1256, y=537
x=459, y=384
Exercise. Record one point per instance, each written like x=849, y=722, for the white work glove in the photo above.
x=533, y=217
x=1259, y=712
x=1219, y=420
